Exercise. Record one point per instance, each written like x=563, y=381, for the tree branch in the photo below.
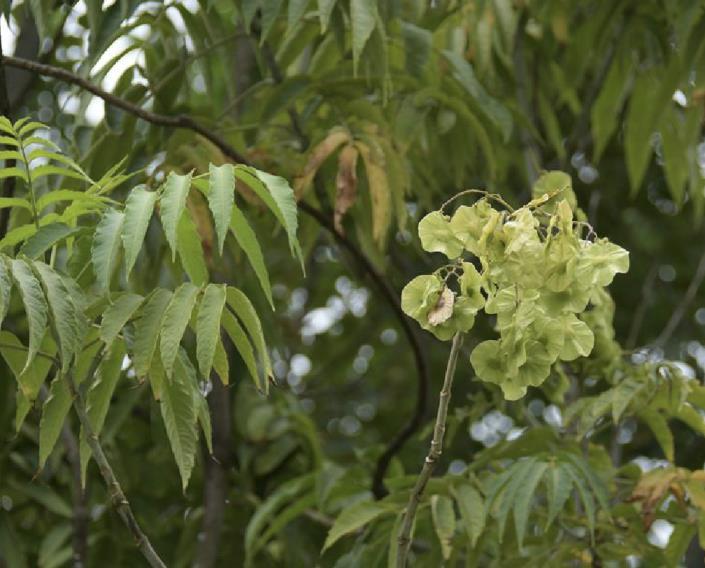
x=117, y=496
x=439, y=430
x=387, y=292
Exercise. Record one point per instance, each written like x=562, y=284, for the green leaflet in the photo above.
x=34, y=304
x=98, y=399
x=138, y=212
x=47, y=237
x=443, y=516
x=54, y=412
x=363, y=17
x=180, y=414
x=558, y=487
x=5, y=286
x=172, y=203
x=243, y=308
x=278, y=500
x=325, y=9
x=106, y=246
x=220, y=362
x=66, y=319
x=246, y=238
x=191, y=250
x=355, y=517
x=585, y=497
x=659, y=427
x=221, y=198
x=30, y=379
x=278, y=196
x=117, y=315
x=472, y=510
x=147, y=330
x=523, y=500
x=242, y=343
x=176, y=318
x=208, y=326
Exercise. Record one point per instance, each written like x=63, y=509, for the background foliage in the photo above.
x=376, y=113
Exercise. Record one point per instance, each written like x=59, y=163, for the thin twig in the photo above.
x=117, y=496
x=404, y=540
x=687, y=299
x=647, y=293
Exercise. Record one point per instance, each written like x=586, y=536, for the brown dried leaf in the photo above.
x=379, y=192
x=345, y=184
x=443, y=309
x=318, y=155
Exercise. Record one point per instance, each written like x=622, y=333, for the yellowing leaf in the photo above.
x=379, y=192
x=345, y=184
x=337, y=137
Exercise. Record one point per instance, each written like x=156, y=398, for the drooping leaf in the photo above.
x=278, y=196
x=5, y=287
x=98, y=399
x=147, y=330
x=559, y=484
x=65, y=317
x=208, y=326
x=106, y=246
x=191, y=250
x=221, y=198
x=180, y=414
x=247, y=239
x=172, y=203
x=174, y=323
x=443, y=515
x=523, y=500
x=472, y=510
x=54, y=411
x=117, y=315
x=363, y=17
x=34, y=304
x=345, y=184
x=242, y=343
x=355, y=517
x=243, y=308
x=378, y=185
x=319, y=154
x=47, y=237
x=138, y=212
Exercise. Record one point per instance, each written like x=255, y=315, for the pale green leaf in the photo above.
x=523, y=500
x=106, y=246
x=443, y=516
x=278, y=196
x=191, y=250
x=437, y=236
x=208, y=326
x=147, y=330
x=176, y=318
x=243, y=308
x=246, y=238
x=34, y=304
x=65, y=317
x=221, y=198
x=363, y=18
x=242, y=343
x=172, y=203
x=54, y=411
x=117, y=315
x=353, y=518
x=325, y=9
x=98, y=399
x=138, y=212
x=179, y=413
x=49, y=235
x=472, y=510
